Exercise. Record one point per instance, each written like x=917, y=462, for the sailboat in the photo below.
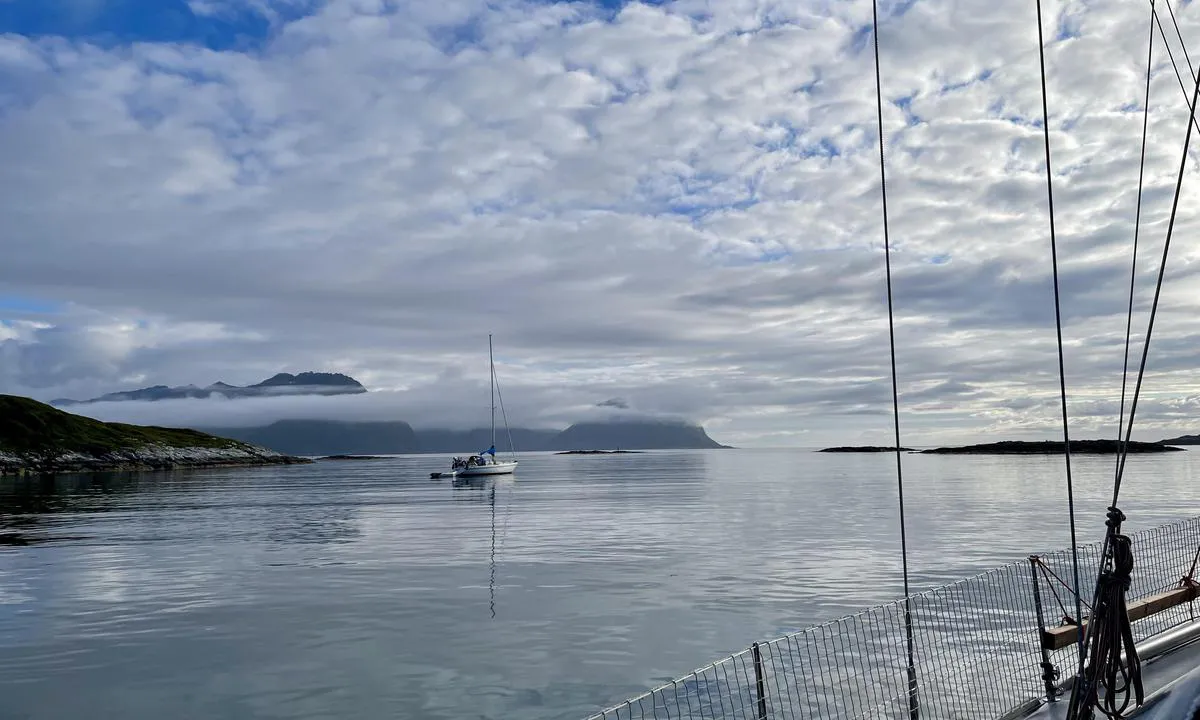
x=485, y=463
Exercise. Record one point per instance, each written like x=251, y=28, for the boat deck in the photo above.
x=1171, y=681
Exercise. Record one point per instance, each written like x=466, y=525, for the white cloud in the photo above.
x=673, y=204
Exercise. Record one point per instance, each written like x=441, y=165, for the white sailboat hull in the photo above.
x=502, y=467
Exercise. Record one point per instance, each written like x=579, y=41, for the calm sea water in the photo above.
x=364, y=589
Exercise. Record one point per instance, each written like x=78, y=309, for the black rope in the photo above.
x=1114, y=663
x=1062, y=375
x=1110, y=621
x=913, y=701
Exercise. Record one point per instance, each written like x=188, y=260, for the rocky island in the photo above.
x=1018, y=447
x=863, y=449
x=1051, y=447
x=37, y=438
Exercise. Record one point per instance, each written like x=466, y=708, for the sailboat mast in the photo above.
x=492, y=378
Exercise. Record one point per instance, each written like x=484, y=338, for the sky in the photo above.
x=673, y=204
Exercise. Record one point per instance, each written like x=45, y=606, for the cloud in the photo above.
x=673, y=204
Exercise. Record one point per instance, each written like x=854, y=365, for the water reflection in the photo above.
x=357, y=589
x=492, y=562
x=42, y=494
x=472, y=483
x=28, y=503
x=477, y=489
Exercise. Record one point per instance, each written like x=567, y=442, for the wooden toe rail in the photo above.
x=1060, y=637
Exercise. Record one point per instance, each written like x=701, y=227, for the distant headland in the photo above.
x=396, y=437
x=37, y=438
x=1021, y=447
x=1181, y=440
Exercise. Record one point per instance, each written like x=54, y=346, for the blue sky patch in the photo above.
x=822, y=148
x=861, y=39
x=609, y=9
x=118, y=22
x=1068, y=28
x=911, y=119
x=983, y=76
x=898, y=8
x=23, y=304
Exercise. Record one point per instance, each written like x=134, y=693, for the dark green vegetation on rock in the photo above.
x=37, y=437
x=28, y=425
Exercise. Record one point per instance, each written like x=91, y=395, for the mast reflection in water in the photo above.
x=489, y=485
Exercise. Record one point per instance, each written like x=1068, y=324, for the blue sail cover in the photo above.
x=490, y=451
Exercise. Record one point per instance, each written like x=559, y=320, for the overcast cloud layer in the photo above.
x=673, y=204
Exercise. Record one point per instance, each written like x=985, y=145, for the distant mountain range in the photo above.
x=327, y=437
x=306, y=383
x=335, y=437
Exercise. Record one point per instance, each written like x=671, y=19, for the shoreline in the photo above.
x=148, y=458
x=599, y=452
x=864, y=449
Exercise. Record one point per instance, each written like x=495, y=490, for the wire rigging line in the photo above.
x=1167, y=44
x=504, y=415
x=1062, y=376
x=913, y=699
x=1162, y=268
x=1137, y=224
x=1120, y=672
x=1171, y=55
x=1178, y=34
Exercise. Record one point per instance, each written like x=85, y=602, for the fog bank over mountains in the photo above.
x=337, y=414
x=305, y=383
